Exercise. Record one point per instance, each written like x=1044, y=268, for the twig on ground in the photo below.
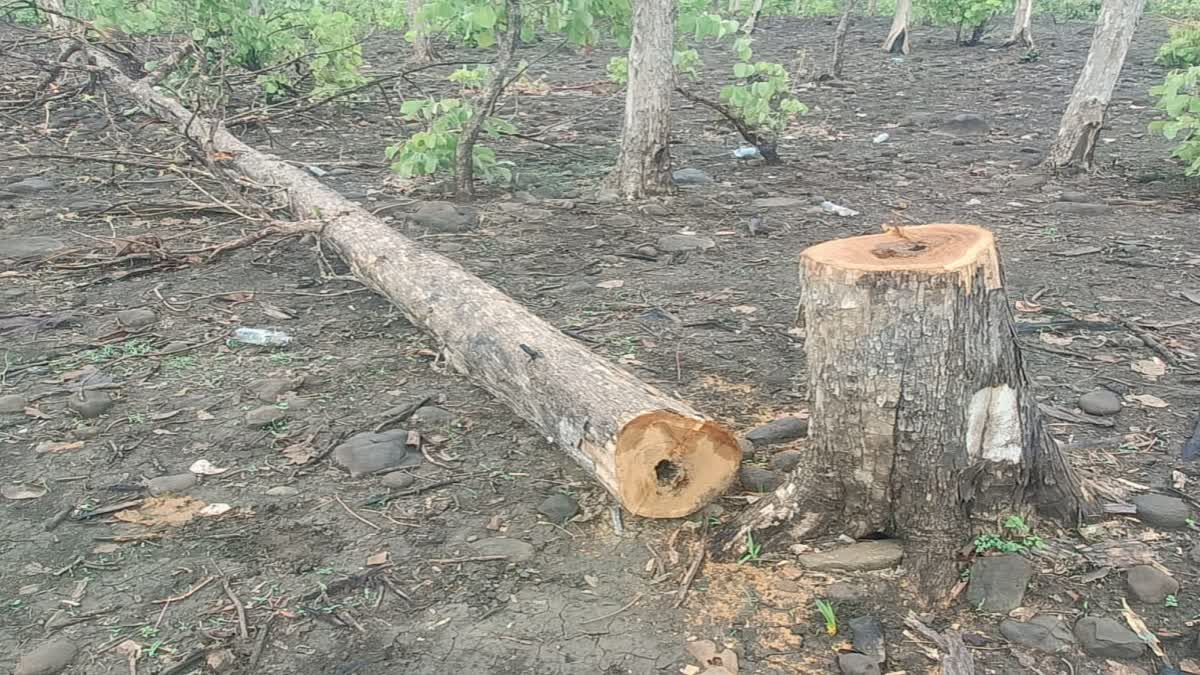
x=693, y=569
x=602, y=617
x=360, y=518
x=260, y=643
x=195, y=589
x=478, y=558
x=404, y=413
x=237, y=605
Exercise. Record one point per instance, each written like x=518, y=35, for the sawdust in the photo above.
x=163, y=512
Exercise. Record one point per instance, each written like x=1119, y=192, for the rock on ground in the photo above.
x=173, y=483
x=867, y=637
x=92, y=405
x=1150, y=584
x=514, y=549
x=690, y=177
x=786, y=460
x=268, y=390
x=858, y=557
x=369, y=452
x=12, y=404
x=758, y=479
x=1162, y=511
x=998, y=583
x=1044, y=632
x=433, y=417
x=851, y=663
x=138, y=317
x=47, y=658
x=28, y=247
x=779, y=431
x=559, y=508
x=1100, y=402
x=264, y=415
x=442, y=218
x=1106, y=638
x=678, y=243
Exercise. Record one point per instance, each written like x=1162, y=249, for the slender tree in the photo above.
x=422, y=45
x=1075, y=144
x=897, y=39
x=839, y=40
x=1022, y=32
x=644, y=161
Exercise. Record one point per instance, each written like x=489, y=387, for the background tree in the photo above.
x=1022, y=32
x=897, y=39
x=839, y=40
x=1075, y=144
x=644, y=160
x=418, y=33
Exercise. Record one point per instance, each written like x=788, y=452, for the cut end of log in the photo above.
x=669, y=465
x=931, y=249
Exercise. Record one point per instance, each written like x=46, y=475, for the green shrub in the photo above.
x=1182, y=50
x=1179, y=98
x=968, y=16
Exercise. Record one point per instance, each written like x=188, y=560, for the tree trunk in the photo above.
x=644, y=161
x=839, y=40
x=1022, y=32
x=897, y=39
x=464, y=152
x=422, y=43
x=755, y=10
x=976, y=35
x=922, y=417
x=1075, y=144
x=657, y=455
x=872, y=7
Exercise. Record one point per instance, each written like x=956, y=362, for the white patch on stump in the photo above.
x=994, y=425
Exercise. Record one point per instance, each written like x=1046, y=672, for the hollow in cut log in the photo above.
x=923, y=421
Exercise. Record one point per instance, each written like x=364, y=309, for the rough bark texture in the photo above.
x=922, y=416
x=422, y=44
x=872, y=7
x=644, y=161
x=839, y=40
x=464, y=152
x=1075, y=144
x=656, y=454
x=1022, y=32
x=897, y=39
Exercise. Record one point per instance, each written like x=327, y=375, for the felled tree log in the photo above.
x=656, y=454
x=922, y=416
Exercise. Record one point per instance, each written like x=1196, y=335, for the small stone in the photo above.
x=1162, y=511
x=786, y=460
x=690, y=177
x=442, y=217
x=559, y=508
x=283, y=491
x=85, y=432
x=139, y=317
x=12, y=404
x=647, y=250
x=675, y=243
x=1150, y=584
x=30, y=186
x=433, y=417
x=264, y=415
x=1044, y=632
x=28, y=247
x=860, y=557
x=578, y=287
x=514, y=549
x=1071, y=196
x=998, y=583
x=1107, y=638
x=779, y=431
x=966, y=124
x=47, y=658
x=779, y=202
x=867, y=638
x=398, y=480
x=1100, y=402
x=175, y=483
x=176, y=346
x=369, y=452
x=607, y=197
x=851, y=663
x=268, y=390
x=656, y=210
x=758, y=479
x=1079, y=208
x=1028, y=182
x=340, y=171
x=619, y=220
x=846, y=592
x=92, y=405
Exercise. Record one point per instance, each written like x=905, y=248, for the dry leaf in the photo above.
x=158, y=417
x=744, y=309
x=31, y=411
x=130, y=649
x=380, y=558
x=1138, y=626
x=46, y=447
x=1148, y=400
x=1031, y=307
x=206, y=468
x=1106, y=358
x=106, y=548
x=238, y=297
x=591, y=580
x=1152, y=368
x=213, y=510
x=612, y=283
x=297, y=453
x=1052, y=339
x=16, y=492
x=1178, y=479
x=714, y=662
x=165, y=511
x=1188, y=665
x=413, y=438
x=495, y=523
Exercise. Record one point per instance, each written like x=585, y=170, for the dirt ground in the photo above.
x=311, y=571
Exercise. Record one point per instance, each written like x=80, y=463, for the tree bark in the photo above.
x=897, y=39
x=922, y=416
x=464, y=152
x=1075, y=144
x=422, y=44
x=755, y=10
x=657, y=455
x=872, y=7
x=644, y=160
x=1022, y=32
x=839, y=40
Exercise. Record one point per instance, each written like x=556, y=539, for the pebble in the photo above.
x=690, y=177
x=779, y=431
x=860, y=557
x=998, y=583
x=1100, y=402
x=398, y=480
x=758, y=479
x=369, y=452
x=867, y=638
x=559, y=508
x=1044, y=632
x=966, y=124
x=433, y=416
x=676, y=243
x=442, y=217
x=47, y=658
x=12, y=404
x=1106, y=638
x=1150, y=584
x=1162, y=511
x=30, y=185
x=174, y=483
x=264, y=415
x=1028, y=182
x=846, y=592
x=514, y=549
x=647, y=250
x=619, y=220
x=851, y=663
x=92, y=405
x=283, y=491
x=578, y=287
x=786, y=460
x=138, y=317
x=656, y=210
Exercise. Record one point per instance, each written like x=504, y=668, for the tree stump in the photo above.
x=922, y=417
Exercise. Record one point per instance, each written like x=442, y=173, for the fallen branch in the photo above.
x=765, y=147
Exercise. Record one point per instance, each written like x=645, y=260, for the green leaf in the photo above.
x=743, y=70
x=483, y=16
